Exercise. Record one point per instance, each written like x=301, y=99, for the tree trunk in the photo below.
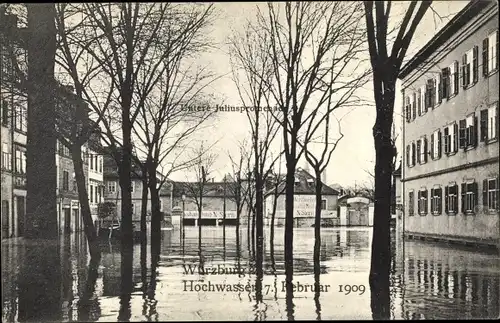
x=41, y=184
x=125, y=169
x=289, y=192
x=381, y=254
x=317, y=242
x=83, y=197
x=155, y=207
x=144, y=208
x=273, y=216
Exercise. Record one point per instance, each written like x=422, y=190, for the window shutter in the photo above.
x=432, y=146
x=464, y=70
x=446, y=140
x=446, y=193
x=440, y=88
x=474, y=132
x=455, y=134
x=432, y=200
x=483, y=131
x=426, y=149
x=498, y=52
x=475, y=64
x=463, y=190
x=440, y=200
x=419, y=210
x=408, y=155
x=497, y=185
x=497, y=123
x=485, y=56
x=426, y=202
x=419, y=147
x=475, y=191
x=414, y=105
x=485, y=193
x=462, y=133
x=439, y=144
x=419, y=102
x=456, y=76
x=413, y=150
x=456, y=200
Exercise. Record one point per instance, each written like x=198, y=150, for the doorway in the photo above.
x=67, y=220
x=21, y=213
x=5, y=219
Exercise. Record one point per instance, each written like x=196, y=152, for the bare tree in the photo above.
x=237, y=190
x=310, y=46
x=202, y=167
x=386, y=66
x=168, y=112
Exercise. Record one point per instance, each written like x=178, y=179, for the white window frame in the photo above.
x=492, y=195
x=422, y=201
x=469, y=125
x=452, y=79
x=470, y=61
x=437, y=84
x=111, y=187
x=492, y=52
x=435, y=144
x=436, y=200
x=423, y=151
x=451, y=199
x=326, y=204
x=492, y=120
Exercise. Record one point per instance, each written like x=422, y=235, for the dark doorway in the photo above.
x=76, y=219
x=67, y=220
x=21, y=212
x=5, y=219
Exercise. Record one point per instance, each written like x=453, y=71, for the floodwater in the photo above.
x=45, y=281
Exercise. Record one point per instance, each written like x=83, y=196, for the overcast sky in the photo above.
x=355, y=153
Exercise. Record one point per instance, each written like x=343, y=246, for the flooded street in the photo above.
x=216, y=280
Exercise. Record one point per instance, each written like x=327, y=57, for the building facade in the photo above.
x=304, y=203
x=450, y=133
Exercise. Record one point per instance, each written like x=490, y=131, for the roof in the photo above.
x=304, y=184
x=471, y=10
x=210, y=189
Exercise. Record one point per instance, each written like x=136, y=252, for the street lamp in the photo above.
x=183, y=197
x=183, y=206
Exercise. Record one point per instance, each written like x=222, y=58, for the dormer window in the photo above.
x=310, y=181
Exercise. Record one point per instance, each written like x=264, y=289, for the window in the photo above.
x=422, y=150
x=96, y=193
x=323, y=204
x=420, y=109
x=467, y=132
x=469, y=197
x=408, y=109
x=100, y=164
x=91, y=193
x=5, y=113
x=410, y=154
x=411, y=203
x=430, y=94
x=489, y=123
x=5, y=208
x=491, y=194
x=413, y=106
x=470, y=67
x=450, y=80
x=451, y=139
x=91, y=161
x=65, y=180
x=161, y=205
x=132, y=186
x=423, y=105
x=6, y=157
x=490, y=53
x=75, y=186
x=20, y=157
x=436, y=144
x=422, y=202
x=451, y=199
x=20, y=117
x=439, y=90
x=111, y=186
x=436, y=201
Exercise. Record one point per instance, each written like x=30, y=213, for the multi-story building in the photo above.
x=451, y=131
x=95, y=161
x=13, y=139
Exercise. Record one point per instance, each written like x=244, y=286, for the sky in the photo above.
x=353, y=159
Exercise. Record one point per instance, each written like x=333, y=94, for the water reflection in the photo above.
x=426, y=281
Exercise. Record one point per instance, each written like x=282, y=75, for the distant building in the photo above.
x=304, y=202
x=216, y=197
x=450, y=133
